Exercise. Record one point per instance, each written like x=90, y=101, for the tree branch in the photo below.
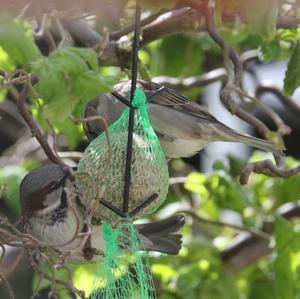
x=226, y=93
x=192, y=82
x=185, y=19
x=216, y=75
x=181, y=20
x=266, y=167
x=36, y=132
x=293, y=106
x=124, y=31
x=287, y=22
x=85, y=36
x=254, y=232
x=247, y=249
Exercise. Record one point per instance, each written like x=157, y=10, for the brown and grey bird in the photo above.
x=182, y=126
x=54, y=219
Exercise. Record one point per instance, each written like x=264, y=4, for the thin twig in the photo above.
x=234, y=81
x=42, y=22
x=14, y=81
x=42, y=273
x=192, y=82
x=293, y=106
x=200, y=219
x=283, y=128
x=246, y=249
x=44, y=31
x=268, y=168
x=33, y=126
x=228, y=101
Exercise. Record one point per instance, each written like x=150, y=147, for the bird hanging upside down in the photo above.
x=183, y=127
x=54, y=219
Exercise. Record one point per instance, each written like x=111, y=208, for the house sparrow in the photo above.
x=183, y=127
x=54, y=219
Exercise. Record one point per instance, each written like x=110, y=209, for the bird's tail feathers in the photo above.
x=234, y=136
x=162, y=236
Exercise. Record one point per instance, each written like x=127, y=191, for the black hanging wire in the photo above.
x=124, y=212
x=131, y=114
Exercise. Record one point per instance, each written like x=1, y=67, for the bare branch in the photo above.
x=192, y=82
x=43, y=30
x=254, y=232
x=216, y=75
x=85, y=36
x=288, y=22
x=42, y=22
x=283, y=128
x=247, y=249
x=268, y=168
x=185, y=19
x=181, y=20
x=293, y=106
x=34, y=127
x=124, y=31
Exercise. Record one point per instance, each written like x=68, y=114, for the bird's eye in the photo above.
x=53, y=186
x=56, y=185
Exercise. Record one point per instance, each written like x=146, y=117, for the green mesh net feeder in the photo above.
x=125, y=178
x=125, y=273
x=149, y=180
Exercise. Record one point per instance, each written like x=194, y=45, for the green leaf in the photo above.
x=17, y=41
x=42, y=283
x=84, y=276
x=88, y=86
x=3, y=94
x=287, y=262
x=68, y=79
x=10, y=179
x=165, y=272
x=11, y=176
x=262, y=289
x=201, y=274
x=67, y=73
x=177, y=55
x=87, y=55
x=289, y=35
x=292, y=75
x=73, y=133
x=195, y=183
x=269, y=51
x=5, y=62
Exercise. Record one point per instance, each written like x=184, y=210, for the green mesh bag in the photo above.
x=125, y=272
x=106, y=178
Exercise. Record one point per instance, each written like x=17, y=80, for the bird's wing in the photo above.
x=167, y=97
x=172, y=99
